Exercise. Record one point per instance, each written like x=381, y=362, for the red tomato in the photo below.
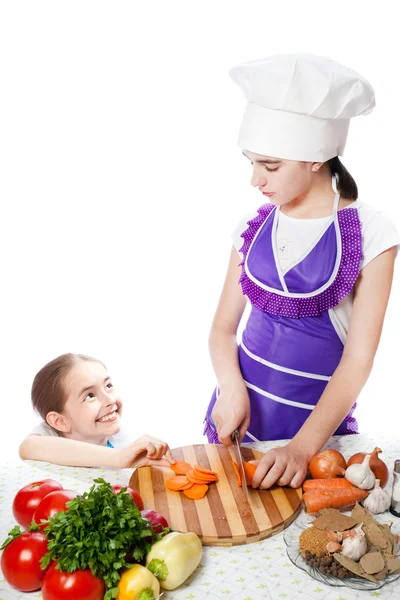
x=82, y=585
x=52, y=504
x=135, y=496
x=20, y=561
x=29, y=497
x=157, y=521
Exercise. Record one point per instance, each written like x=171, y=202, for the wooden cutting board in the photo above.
x=223, y=517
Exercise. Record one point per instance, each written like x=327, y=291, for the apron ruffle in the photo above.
x=312, y=306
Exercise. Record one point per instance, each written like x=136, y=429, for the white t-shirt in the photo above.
x=296, y=236
x=122, y=439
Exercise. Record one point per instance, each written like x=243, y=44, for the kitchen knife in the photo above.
x=235, y=438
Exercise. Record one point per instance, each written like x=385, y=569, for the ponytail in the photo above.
x=346, y=185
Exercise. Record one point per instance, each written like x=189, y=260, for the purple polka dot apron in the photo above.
x=290, y=348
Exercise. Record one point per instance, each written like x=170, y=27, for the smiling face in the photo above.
x=282, y=181
x=92, y=409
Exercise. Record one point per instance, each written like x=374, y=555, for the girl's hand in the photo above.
x=232, y=411
x=147, y=450
x=283, y=466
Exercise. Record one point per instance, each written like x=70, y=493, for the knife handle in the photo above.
x=235, y=435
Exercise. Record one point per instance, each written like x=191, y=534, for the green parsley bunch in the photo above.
x=97, y=532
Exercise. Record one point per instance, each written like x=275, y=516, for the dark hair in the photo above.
x=48, y=392
x=346, y=185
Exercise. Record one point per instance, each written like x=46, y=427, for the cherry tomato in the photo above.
x=158, y=522
x=52, y=504
x=20, y=561
x=82, y=585
x=29, y=497
x=135, y=496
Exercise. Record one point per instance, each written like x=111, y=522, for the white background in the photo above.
x=121, y=181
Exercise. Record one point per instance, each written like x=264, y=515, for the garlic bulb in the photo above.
x=355, y=546
x=378, y=501
x=361, y=474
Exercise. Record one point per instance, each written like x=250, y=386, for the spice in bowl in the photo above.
x=313, y=541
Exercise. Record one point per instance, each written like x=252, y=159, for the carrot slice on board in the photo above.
x=204, y=471
x=249, y=470
x=180, y=467
x=239, y=477
x=197, y=491
x=203, y=477
x=333, y=483
x=191, y=475
x=178, y=483
x=194, y=476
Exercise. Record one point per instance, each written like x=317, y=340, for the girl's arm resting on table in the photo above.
x=232, y=409
x=288, y=465
x=63, y=451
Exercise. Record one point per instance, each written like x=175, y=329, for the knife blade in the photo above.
x=235, y=439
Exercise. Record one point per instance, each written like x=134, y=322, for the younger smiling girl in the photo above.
x=81, y=414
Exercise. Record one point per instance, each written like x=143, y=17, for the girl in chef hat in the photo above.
x=81, y=412
x=316, y=265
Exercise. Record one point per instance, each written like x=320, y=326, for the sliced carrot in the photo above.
x=197, y=491
x=206, y=478
x=191, y=475
x=316, y=500
x=199, y=479
x=178, y=483
x=239, y=475
x=205, y=471
x=331, y=483
x=193, y=481
x=249, y=470
x=180, y=467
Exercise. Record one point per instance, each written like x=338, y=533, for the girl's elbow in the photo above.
x=25, y=451
x=22, y=451
x=361, y=364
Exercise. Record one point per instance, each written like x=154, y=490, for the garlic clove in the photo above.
x=333, y=547
x=333, y=536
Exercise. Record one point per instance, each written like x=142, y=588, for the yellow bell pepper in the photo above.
x=137, y=583
x=174, y=558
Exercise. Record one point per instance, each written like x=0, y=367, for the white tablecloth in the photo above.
x=248, y=572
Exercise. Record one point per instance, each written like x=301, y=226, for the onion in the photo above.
x=378, y=467
x=326, y=464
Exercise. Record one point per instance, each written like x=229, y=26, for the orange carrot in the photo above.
x=178, y=483
x=206, y=477
x=331, y=483
x=197, y=491
x=204, y=471
x=238, y=474
x=316, y=500
x=191, y=475
x=180, y=467
x=193, y=481
x=249, y=470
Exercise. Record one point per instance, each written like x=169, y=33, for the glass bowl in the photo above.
x=291, y=537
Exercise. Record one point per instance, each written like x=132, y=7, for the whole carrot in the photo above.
x=316, y=500
x=332, y=483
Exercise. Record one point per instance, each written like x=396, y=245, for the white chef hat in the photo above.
x=300, y=106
